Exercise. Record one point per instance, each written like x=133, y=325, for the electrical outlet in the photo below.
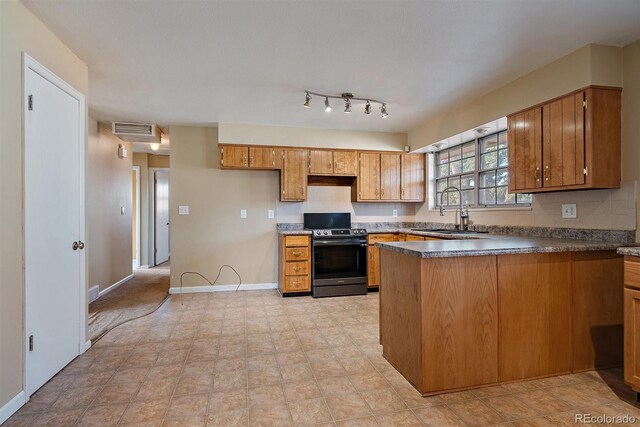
x=183, y=210
x=395, y=213
x=243, y=213
x=569, y=211
x=270, y=214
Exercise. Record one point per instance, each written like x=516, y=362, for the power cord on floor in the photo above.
x=208, y=281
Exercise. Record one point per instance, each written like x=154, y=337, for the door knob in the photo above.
x=80, y=244
x=75, y=246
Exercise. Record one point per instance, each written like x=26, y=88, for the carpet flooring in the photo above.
x=141, y=295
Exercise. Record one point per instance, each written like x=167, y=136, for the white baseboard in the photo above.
x=115, y=285
x=12, y=406
x=86, y=346
x=144, y=266
x=223, y=288
x=94, y=293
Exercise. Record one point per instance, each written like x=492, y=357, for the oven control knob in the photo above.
x=325, y=232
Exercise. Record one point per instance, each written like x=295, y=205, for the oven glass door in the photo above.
x=339, y=259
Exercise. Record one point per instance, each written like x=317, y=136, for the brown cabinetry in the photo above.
x=233, y=156
x=262, y=157
x=294, y=266
x=572, y=142
x=373, y=256
x=412, y=177
x=632, y=322
x=390, y=177
x=327, y=162
x=293, y=177
x=345, y=163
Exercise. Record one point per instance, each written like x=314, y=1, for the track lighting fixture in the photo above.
x=347, y=98
x=383, y=110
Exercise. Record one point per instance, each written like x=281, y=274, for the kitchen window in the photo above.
x=479, y=168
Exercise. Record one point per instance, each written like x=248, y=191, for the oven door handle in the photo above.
x=339, y=242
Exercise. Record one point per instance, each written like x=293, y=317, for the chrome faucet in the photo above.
x=464, y=213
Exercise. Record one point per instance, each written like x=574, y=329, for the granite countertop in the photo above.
x=493, y=244
x=294, y=232
x=632, y=251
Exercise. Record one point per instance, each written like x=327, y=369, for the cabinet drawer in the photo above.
x=632, y=274
x=297, y=283
x=297, y=268
x=375, y=238
x=292, y=241
x=296, y=254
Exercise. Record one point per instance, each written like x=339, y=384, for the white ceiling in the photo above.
x=203, y=62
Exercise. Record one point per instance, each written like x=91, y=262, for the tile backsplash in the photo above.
x=597, y=209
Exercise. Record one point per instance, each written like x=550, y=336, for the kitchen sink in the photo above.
x=442, y=231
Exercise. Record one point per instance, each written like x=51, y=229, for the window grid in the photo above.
x=479, y=168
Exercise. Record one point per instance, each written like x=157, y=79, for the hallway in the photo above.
x=138, y=297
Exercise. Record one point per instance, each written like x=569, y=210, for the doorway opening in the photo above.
x=135, y=216
x=161, y=223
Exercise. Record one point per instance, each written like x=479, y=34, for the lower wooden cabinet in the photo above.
x=535, y=315
x=373, y=256
x=294, y=264
x=632, y=322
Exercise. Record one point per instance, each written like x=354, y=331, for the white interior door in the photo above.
x=161, y=216
x=53, y=203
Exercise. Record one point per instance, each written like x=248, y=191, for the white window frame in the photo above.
x=433, y=178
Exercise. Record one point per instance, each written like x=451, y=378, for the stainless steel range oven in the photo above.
x=339, y=256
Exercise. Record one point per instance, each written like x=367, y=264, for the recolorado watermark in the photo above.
x=605, y=419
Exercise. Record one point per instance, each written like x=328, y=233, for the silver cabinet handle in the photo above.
x=80, y=245
x=75, y=246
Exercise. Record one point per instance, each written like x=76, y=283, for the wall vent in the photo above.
x=136, y=132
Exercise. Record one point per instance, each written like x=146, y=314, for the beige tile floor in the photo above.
x=254, y=358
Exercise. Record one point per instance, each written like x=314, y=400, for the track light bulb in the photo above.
x=327, y=107
x=307, y=101
x=347, y=105
x=383, y=110
x=367, y=108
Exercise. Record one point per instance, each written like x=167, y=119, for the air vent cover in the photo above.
x=136, y=132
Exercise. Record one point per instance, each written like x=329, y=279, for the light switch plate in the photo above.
x=569, y=211
x=183, y=210
x=270, y=214
x=395, y=213
x=243, y=213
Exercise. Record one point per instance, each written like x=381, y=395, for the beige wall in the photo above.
x=630, y=116
x=158, y=161
x=592, y=64
x=108, y=184
x=213, y=233
x=233, y=133
x=20, y=31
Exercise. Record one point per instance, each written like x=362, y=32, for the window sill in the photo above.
x=500, y=209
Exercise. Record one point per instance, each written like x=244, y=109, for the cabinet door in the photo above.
x=345, y=163
x=234, y=156
x=525, y=150
x=373, y=266
x=293, y=178
x=412, y=179
x=389, y=176
x=262, y=157
x=534, y=301
x=632, y=338
x=563, y=141
x=320, y=162
x=369, y=177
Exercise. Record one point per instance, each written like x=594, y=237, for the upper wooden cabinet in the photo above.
x=368, y=177
x=293, y=178
x=572, y=142
x=327, y=162
x=250, y=157
x=390, y=177
x=232, y=156
x=380, y=176
x=412, y=177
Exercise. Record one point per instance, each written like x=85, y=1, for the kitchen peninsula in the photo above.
x=461, y=314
